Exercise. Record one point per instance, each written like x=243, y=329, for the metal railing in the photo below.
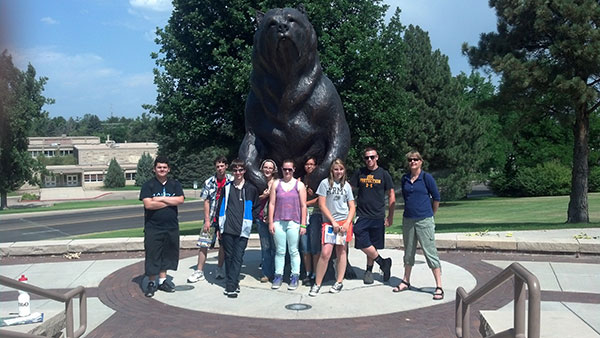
x=66, y=298
x=522, y=276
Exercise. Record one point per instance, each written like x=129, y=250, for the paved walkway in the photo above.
x=118, y=308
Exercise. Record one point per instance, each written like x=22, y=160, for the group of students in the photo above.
x=281, y=212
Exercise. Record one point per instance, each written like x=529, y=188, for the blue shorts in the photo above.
x=310, y=242
x=368, y=231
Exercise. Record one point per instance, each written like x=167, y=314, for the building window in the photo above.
x=66, y=152
x=35, y=153
x=93, y=177
x=130, y=176
x=49, y=153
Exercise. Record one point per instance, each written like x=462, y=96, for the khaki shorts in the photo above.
x=423, y=231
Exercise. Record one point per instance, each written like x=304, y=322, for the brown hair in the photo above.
x=237, y=163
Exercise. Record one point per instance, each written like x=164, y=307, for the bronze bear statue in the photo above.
x=293, y=111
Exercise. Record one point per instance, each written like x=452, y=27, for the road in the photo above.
x=35, y=226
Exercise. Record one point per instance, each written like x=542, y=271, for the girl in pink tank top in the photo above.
x=287, y=221
x=287, y=206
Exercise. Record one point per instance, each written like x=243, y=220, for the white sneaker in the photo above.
x=314, y=290
x=197, y=275
x=336, y=288
x=220, y=273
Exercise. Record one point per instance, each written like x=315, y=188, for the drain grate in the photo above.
x=298, y=307
x=184, y=287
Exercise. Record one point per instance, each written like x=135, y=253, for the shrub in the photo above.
x=504, y=185
x=114, y=178
x=29, y=197
x=144, y=169
x=546, y=179
x=594, y=180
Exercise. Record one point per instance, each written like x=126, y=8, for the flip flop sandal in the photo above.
x=438, y=296
x=397, y=288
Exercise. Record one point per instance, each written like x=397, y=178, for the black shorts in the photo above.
x=368, y=231
x=162, y=250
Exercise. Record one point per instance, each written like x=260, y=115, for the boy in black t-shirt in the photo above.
x=373, y=184
x=161, y=196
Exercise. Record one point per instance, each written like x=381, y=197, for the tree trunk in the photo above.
x=3, y=200
x=578, y=202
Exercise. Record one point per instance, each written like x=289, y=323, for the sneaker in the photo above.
x=386, y=267
x=220, y=273
x=368, y=277
x=197, y=275
x=307, y=281
x=167, y=286
x=336, y=288
x=264, y=279
x=237, y=290
x=277, y=282
x=150, y=289
x=293, y=282
x=230, y=294
x=314, y=290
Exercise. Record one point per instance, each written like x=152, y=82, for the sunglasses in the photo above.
x=238, y=170
x=414, y=159
x=372, y=157
x=287, y=169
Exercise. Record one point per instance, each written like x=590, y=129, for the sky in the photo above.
x=96, y=53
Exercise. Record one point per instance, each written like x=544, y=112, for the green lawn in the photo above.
x=502, y=214
x=473, y=215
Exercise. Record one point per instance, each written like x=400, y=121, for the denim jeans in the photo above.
x=234, y=257
x=287, y=234
x=310, y=242
x=267, y=249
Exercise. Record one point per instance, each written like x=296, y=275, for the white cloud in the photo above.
x=49, y=20
x=154, y=5
x=85, y=83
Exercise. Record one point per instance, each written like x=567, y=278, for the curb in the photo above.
x=444, y=241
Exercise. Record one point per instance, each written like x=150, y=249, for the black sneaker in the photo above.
x=368, y=277
x=307, y=281
x=150, y=289
x=167, y=286
x=386, y=267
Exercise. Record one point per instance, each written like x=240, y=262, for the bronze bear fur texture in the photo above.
x=293, y=111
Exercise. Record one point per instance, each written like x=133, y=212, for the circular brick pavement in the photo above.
x=138, y=316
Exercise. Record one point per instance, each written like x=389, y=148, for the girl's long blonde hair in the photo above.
x=337, y=161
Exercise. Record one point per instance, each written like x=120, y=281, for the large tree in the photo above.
x=547, y=55
x=21, y=102
x=442, y=122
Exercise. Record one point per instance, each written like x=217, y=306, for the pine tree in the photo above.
x=115, y=177
x=144, y=170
